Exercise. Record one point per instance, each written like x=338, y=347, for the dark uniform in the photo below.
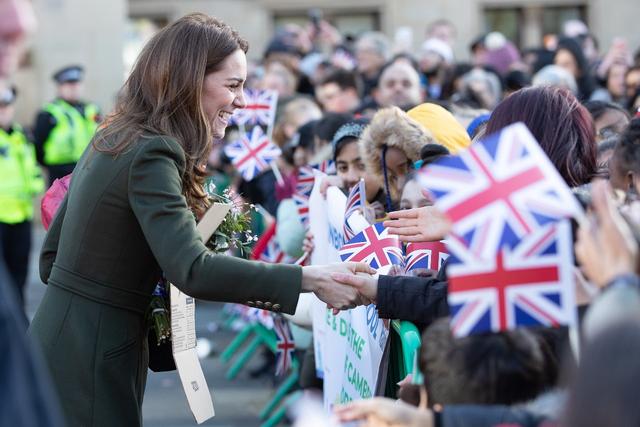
x=64, y=128
x=20, y=183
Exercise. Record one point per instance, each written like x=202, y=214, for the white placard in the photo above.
x=349, y=346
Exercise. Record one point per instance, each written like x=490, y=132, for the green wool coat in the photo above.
x=123, y=221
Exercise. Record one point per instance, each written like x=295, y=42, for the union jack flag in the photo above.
x=302, y=202
x=273, y=254
x=425, y=255
x=252, y=153
x=499, y=190
x=285, y=345
x=305, y=181
x=326, y=166
x=374, y=246
x=260, y=109
x=264, y=317
x=355, y=202
x=529, y=284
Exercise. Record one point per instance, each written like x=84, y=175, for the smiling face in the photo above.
x=222, y=92
x=350, y=168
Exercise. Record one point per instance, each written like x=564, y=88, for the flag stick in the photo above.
x=276, y=172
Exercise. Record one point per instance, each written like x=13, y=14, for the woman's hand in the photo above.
x=426, y=224
x=366, y=285
x=605, y=247
x=318, y=279
x=381, y=411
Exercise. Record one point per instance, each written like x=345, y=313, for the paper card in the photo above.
x=194, y=385
x=212, y=220
x=183, y=331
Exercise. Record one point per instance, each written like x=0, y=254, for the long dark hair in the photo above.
x=163, y=94
x=586, y=84
x=562, y=126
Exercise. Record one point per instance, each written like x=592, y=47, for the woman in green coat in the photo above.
x=129, y=215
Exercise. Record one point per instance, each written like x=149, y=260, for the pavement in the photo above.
x=236, y=403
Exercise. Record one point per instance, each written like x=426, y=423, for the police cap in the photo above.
x=72, y=73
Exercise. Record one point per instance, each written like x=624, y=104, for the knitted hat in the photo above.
x=352, y=129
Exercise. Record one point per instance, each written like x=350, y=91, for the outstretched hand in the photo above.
x=426, y=224
x=381, y=411
x=318, y=279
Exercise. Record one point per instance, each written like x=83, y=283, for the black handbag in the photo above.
x=160, y=356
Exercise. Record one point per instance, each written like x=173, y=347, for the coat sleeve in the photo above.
x=50, y=246
x=416, y=299
x=155, y=195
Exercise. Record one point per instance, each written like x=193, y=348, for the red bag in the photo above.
x=53, y=198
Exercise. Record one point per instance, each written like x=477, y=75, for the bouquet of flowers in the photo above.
x=233, y=234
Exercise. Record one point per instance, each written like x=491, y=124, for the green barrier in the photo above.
x=266, y=337
x=403, y=360
x=281, y=412
x=237, y=342
x=403, y=355
x=287, y=385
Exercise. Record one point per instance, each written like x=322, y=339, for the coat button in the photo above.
x=276, y=307
x=267, y=305
x=259, y=304
x=251, y=303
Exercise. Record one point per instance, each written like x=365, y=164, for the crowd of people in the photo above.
x=381, y=113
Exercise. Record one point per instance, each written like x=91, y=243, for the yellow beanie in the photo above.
x=444, y=127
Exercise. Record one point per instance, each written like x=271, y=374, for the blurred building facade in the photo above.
x=105, y=35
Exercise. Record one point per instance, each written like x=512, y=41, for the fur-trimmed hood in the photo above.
x=394, y=128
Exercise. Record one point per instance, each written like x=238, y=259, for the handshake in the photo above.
x=347, y=285
x=341, y=285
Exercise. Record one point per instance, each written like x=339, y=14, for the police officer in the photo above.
x=20, y=182
x=65, y=126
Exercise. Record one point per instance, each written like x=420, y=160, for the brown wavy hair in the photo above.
x=163, y=94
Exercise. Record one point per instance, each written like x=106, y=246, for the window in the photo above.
x=348, y=22
x=508, y=21
x=554, y=17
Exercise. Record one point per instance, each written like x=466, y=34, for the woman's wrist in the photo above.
x=310, y=275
